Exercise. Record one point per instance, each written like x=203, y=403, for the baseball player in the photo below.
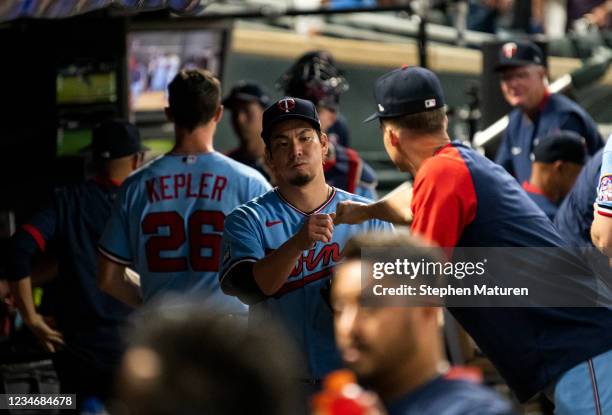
x=537, y=112
x=247, y=102
x=574, y=218
x=601, y=229
x=280, y=248
x=462, y=199
x=394, y=347
x=87, y=339
x=316, y=78
x=557, y=161
x=169, y=216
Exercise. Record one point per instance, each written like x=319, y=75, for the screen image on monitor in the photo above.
x=156, y=56
x=86, y=83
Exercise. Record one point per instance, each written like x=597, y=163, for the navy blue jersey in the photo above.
x=88, y=318
x=481, y=205
x=544, y=203
x=346, y=170
x=338, y=133
x=260, y=226
x=450, y=397
x=575, y=215
x=558, y=113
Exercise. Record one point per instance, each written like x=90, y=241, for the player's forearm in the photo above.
x=272, y=271
x=22, y=292
x=394, y=207
x=111, y=280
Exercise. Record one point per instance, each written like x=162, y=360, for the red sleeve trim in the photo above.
x=37, y=235
x=444, y=198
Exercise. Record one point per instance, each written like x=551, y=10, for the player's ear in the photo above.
x=168, y=113
x=324, y=143
x=218, y=113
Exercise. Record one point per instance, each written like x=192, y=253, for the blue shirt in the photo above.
x=450, y=397
x=168, y=220
x=575, y=215
x=89, y=319
x=261, y=226
x=544, y=203
x=559, y=113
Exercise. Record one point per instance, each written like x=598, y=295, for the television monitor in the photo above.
x=156, y=56
x=86, y=83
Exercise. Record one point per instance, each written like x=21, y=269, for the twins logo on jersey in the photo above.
x=326, y=256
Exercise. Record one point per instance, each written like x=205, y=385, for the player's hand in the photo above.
x=49, y=337
x=316, y=228
x=351, y=213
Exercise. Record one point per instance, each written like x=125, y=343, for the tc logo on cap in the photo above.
x=509, y=50
x=286, y=104
x=430, y=103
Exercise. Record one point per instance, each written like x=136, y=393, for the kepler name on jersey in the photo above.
x=185, y=186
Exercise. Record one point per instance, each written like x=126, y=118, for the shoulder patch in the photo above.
x=604, y=191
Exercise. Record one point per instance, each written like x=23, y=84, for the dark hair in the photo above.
x=209, y=365
x=426, y=122
x=194, y=95
x=411, y=245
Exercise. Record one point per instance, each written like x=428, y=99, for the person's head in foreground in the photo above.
x=524, y=81
x=182, y=361
x=412, y=115
x=393, y=344
x=295, y=145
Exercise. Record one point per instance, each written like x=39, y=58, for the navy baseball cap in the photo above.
x=248, y=92
x=407, y=90
x=561, y=145
x=516, y=54
x=113, y=139
x=289, y=108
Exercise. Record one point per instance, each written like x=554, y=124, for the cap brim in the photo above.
x=371, y=117
x=265, y=134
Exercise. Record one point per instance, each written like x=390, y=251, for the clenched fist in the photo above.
x=351, y=213
x=318, y=227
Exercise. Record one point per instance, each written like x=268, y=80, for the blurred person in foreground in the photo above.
x=180, y=360
x=394, y=344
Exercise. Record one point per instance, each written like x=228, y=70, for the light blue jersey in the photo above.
x=255, y=229
x=604, y=189
x=168, y=219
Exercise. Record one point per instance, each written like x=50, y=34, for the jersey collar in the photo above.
x=530, y=188
x=317, y=210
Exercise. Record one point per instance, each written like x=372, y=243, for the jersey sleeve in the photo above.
x=29, y=239
x=114, y=243
x=444, y=200
x=504, y=156
x=241, y=247
x=604, y=188
x=258, y=185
